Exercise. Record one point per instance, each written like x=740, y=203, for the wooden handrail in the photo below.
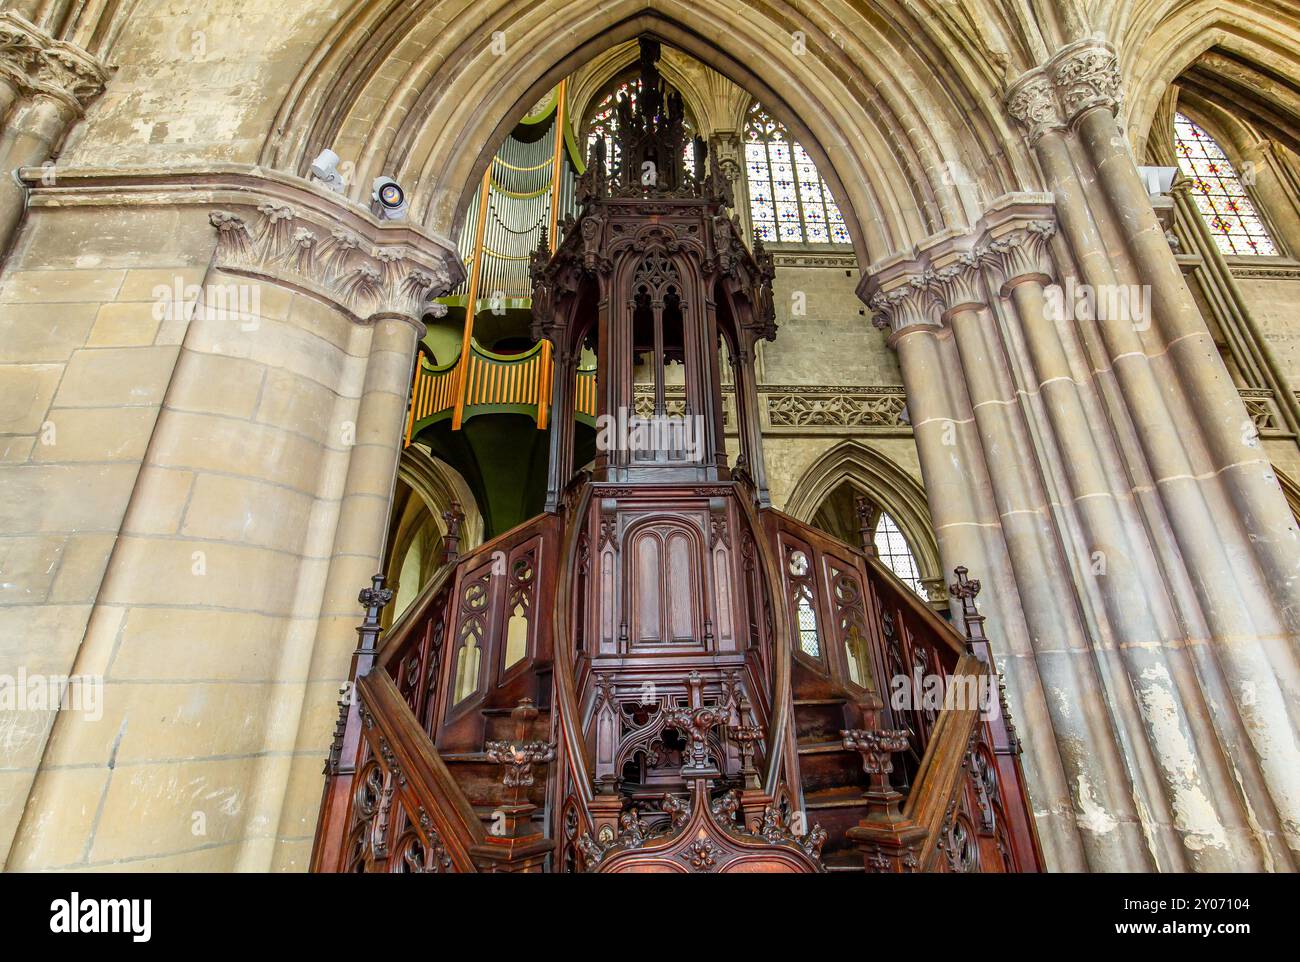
x=393, y=640
x=780, y=738
x=429, y=787
x=911, y=600
x=569, y=724
x=941, y=766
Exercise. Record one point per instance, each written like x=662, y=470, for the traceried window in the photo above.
x=1219, y=193
x=809, y=640
x=603, y=123
x=893, y=550
x=789, y=201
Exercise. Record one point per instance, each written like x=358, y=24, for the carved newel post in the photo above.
x=866, y=536
x=518, y=759
x=965, y=590
x=887, y=840
x=877, y=749
x=454, y=517
x=512, y=843
x=374, y=599
x=694, y=724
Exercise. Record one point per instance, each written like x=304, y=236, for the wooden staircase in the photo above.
x=830, y=774
x=523, y=763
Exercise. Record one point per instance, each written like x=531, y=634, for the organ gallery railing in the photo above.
x=491, y=384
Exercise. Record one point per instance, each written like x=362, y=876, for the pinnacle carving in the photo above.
x=363, y=279
x=35, y=63
x=1079, y=77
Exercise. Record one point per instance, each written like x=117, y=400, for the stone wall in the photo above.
x=86, y=365
x=203, y=482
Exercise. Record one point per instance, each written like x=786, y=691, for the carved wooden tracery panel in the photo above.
x=801, y=595
x=665, y=585
x=471, y=634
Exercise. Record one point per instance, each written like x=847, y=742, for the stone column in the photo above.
x=969, y=532
x=225, y=621
x=1143, y=577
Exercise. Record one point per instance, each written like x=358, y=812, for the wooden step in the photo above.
x=480, y=779
x=828, y=764
x=487, y=815
x=844, y=861
x=848, y=796
x=837, y=810
x=818, y=719
x=499, y=726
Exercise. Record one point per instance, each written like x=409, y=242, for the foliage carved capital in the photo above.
x=1032, y=103
x=1087, y=75
x=1021, y=254
x=364, y=276
x=956, y=271
x=35, y=63
x=1076, y=79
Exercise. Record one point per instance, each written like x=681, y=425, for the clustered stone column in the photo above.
x=386, y=288
x=1086, y=452
x=45, y=87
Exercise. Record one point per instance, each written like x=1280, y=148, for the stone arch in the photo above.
x=882, y=481
x=596, y=75
x=1245, y=30
x=425, y=488
x=885, y=105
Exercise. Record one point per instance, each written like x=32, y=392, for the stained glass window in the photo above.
x=1219, y=193
x=808, y=640
x=603, y=122
x=893, y=550
x=789, y=201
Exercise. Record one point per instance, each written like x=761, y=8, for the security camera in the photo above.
x=325, y=168
x=387, y=199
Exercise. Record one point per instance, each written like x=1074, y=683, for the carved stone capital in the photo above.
x=367, y=279
x=946, y=273
x=35, y=63
x=958, y=284
x=1021, y=255
x=1077, y=78
x=911, y=303
x=727, y=152
x=1032, y=103
x=1086, y=75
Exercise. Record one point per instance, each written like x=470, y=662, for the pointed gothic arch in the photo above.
x=1249, y=33
x=429, y=105
x=425, y=489
x=871, y=474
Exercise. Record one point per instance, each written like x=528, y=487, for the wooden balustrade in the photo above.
x=492, y=384
x=919, y=690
